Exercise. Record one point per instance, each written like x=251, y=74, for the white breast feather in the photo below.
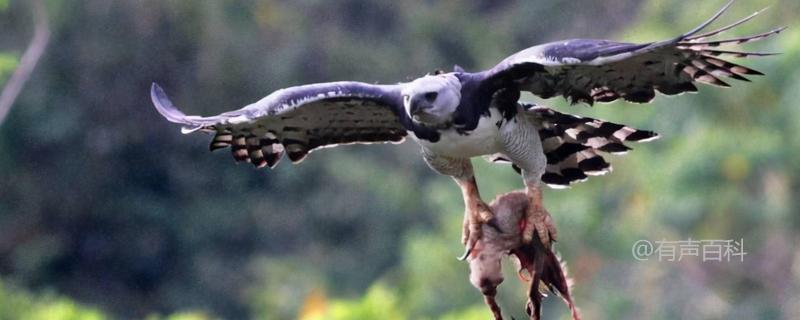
x=485, y=139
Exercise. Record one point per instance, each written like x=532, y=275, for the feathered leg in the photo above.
x=476, y=211
x=523, y=147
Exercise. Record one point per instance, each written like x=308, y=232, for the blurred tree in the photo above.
x=8, y=61
x=24, y=67
x=104, y=202
x=16, y=304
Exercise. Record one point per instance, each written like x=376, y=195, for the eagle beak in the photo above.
x=419, y=107
x=407, y=105
x=415, y=107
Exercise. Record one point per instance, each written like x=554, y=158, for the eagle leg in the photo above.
x=476, y=214
x=537, y=219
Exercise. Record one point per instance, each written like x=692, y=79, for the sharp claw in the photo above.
x=466, y=254
x=527, y=235
x=543, y=235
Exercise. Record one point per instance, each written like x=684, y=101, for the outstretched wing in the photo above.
x=583, y=70
x=298, y=120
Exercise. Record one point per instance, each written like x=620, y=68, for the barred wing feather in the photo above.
x=586, y=70
x=298, y=120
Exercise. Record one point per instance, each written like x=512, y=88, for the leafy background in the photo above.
x=107, y=211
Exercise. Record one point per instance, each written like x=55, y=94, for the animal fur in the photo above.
x=503, y=237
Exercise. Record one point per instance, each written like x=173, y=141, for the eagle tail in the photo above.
x=574, y=145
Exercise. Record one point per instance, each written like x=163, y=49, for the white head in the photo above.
x=432, y=100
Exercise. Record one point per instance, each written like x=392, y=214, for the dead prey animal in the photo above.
x=502, y=236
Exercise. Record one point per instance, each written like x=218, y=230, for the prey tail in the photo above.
x=547, y=273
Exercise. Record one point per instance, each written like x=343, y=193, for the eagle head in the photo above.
x=432, y=100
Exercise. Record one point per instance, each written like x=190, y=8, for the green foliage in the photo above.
x=19, y=304
x=15, y=304
x=63, y=310
x=8, y=63
x=477, y=312
x=378, y=303
x=284, y=286
x=190, y=315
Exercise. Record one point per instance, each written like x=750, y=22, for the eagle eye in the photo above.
x=431, y=96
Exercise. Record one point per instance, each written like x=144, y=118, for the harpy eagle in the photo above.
x=458, y=115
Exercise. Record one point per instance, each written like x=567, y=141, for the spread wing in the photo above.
x=583, y=70
x=298, y=120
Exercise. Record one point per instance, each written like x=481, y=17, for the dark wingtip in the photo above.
x=642, y=136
